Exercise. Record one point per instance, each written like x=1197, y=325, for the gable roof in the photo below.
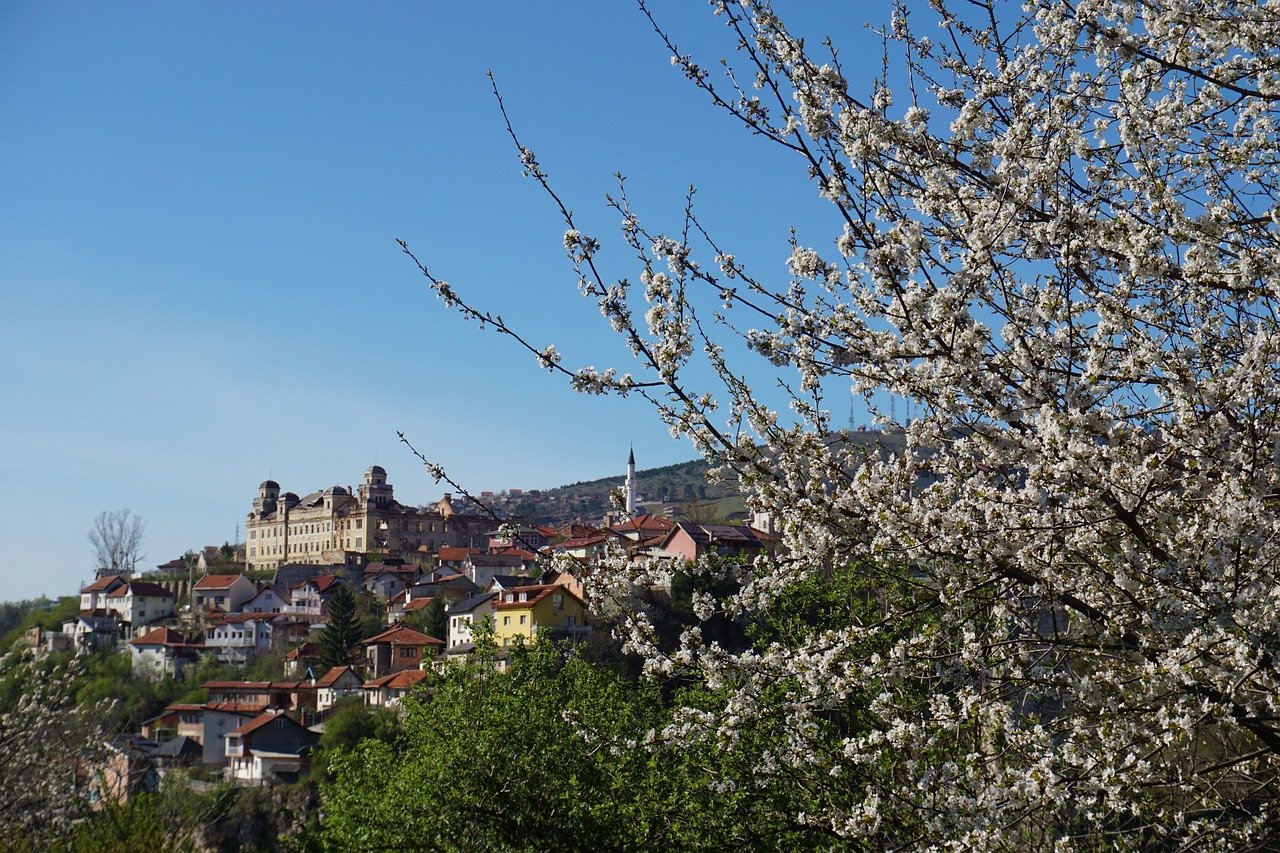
x=266, y=718
x=160, y=637
x=512, y=581
x=306, y=650
x=279, y=593
x=736, y=535
x=331, y=677
x=217, y=581
x=180, y=747
x=646, y=523
x=399, y=635
x=402, y=680
x=142, y=588
x=469, y=604
x=533, y=595
x=103, y=584
x=323, y=583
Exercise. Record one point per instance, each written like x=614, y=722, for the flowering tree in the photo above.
x=48, y=748
x=1056, y=237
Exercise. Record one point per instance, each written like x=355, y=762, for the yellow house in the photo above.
x=525, y=610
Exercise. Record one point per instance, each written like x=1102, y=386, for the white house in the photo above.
x=162, y=652
x=91, y=596
x=139, y=602
x=310, y=595
x=239, y=637
x=465, y=615
x=224, y=592
x=333, y=685
x=269, y=599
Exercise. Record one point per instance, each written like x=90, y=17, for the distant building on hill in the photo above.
x=328, y=526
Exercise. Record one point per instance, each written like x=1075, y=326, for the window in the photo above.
x=524, y=619
x=506, y=620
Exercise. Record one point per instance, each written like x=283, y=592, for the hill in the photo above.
x=679, y=489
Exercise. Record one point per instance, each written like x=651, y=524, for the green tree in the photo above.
x=434, y=622
x=549, y=758
x=342, y=628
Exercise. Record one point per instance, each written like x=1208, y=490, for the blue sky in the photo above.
x=198, y=210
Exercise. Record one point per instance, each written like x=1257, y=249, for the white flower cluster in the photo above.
x=1068, y=264
x=1064, y=612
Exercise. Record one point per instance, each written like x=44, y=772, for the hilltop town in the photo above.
x=414, y=588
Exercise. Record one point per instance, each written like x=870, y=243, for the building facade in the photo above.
x=326, y=526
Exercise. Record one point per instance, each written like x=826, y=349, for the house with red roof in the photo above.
x=338, y=682
x=91, y=596
x=453, y=558
x=405, y=603
x=644, y=526
x=301, y=658
x=399, y=648
x=311, y=595
x=389, y=690
x=269, y=599
x=227, y=593
x=689, y=542
x=271, y=748
x=139, y=603
x=385, y=580
x=163, y=652
x=588, y=548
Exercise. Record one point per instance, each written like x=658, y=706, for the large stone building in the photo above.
x=332, y=526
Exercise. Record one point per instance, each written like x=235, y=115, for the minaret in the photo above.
x=631, y=484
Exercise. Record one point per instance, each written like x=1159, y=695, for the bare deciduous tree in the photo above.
x=117, y=542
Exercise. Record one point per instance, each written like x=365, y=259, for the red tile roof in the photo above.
x=323, y=583
x=331, y=677
x=235, y=707
x=517, y=552
x=398, y=635
x=306, y=650
x=236, y=685
x=646, y=522
x=266, y=718
x=533, y=594
x=217, y=581
x=450, y=554
x=160, y=637
x=397, y=680
x=102, y=584
x=144, y=588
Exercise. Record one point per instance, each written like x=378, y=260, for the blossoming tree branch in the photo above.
x=1056, y=235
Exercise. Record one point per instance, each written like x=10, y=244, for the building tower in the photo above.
x=631, y=484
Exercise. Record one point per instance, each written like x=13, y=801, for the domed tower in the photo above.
x=334, y=497
x=375, y=491
x=268, y=495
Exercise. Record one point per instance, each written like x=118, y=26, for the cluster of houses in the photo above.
x=261, y=732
